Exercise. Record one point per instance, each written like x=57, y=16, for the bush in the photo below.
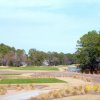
x=3, y=91
x=88, y=88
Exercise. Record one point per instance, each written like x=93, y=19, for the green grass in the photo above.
x=35, y=80
x=8, y=74
x=33, y=68
x=4, y=68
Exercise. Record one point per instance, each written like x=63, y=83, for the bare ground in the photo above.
x=82, y=97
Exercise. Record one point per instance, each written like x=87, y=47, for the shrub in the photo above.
x=88, y=88
x=56, y=94
x=96, y=88
x=69, y=91
x=3, y=91
x=43, y=97
x=88, y=79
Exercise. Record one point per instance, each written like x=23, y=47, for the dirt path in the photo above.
x=23, y=95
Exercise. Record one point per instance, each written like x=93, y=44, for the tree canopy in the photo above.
x=88, y=52
x=9, y=56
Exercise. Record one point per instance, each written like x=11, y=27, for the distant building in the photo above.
x=45, y=63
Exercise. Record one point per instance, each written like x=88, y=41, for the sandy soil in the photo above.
x=70, y=82
x=82, y=97
x=73, y=82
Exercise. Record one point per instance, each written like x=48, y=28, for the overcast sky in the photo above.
x=48, y=25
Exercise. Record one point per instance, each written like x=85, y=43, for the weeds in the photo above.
x=69, y=91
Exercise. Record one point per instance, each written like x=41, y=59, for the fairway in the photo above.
x=35, y=80
x=48, y=68
x=35, y=68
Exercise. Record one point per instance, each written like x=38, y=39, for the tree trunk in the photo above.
x=91, y=69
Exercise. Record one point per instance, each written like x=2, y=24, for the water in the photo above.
x=73, y=69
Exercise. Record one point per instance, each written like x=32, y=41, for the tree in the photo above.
x=9, y=56
x=89, y=51
x=20, y=57
x=4, y=52
x=36, y=57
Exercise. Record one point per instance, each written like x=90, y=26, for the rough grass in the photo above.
x=17, y=87
x=88, y=79
x=35, y=80
x=2, y=90
x=69, y=91
x=32, y=68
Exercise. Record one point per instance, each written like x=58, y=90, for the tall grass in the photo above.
x=69, y=91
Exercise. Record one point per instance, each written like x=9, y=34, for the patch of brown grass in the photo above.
x=56, y=94
x=3, y=91
x=33, y=98
x=88, y=79
x=18, y=86
x=24, y=87
x=68, y=91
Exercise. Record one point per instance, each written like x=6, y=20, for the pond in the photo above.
x=73, y=69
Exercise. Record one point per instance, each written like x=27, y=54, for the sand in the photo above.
x=81, y=97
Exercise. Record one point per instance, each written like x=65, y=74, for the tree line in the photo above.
x=87, y=55
x=9, y=56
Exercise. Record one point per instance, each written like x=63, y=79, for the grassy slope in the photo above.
x=35, y=80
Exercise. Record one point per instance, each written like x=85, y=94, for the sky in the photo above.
x=47, y=25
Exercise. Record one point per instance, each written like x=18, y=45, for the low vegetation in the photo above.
x=3, y=90
x=87, y=79
x=69, y=91
x=17, y=87
x=34, y=80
